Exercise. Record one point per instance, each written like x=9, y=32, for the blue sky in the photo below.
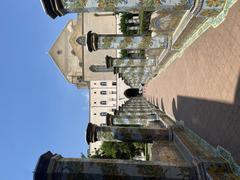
x=39, y=110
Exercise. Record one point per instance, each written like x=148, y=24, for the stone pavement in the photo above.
x=202, y=88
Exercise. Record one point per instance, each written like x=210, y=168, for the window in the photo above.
x=103, y=92
x=103, y=114
x=95, y=114
x=114, y=83
x=114, y=92
x=95, y=103
x=103, y=102
x=103, y=83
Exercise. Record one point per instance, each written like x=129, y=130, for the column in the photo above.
x=123, y=111
x=135, y=70
x=56, y=8
x=112, y=41
x=129, y=62
x=54, y=167
x=126, y=134
x=131, y=119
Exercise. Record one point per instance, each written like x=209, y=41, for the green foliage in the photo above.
x=124, y=26
x=145, y=17
x=124, y=53
x=118, y=150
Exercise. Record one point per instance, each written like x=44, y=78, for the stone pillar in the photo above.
x=135, y=70
x=136, y=75
x=56, y=8
x=132, y=108
x=127, y=62
x=138, y=113
x=126, y=134
x=140, y=101
x=135, y=110
x=141, y=119
x=143, y=102
x=150, y=116
x=54, y=167
x=112, y=41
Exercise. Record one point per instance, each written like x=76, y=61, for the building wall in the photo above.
x=74, y=60
x=112, y=92
x=64, y=57
x=101, y=25
x=99, y=84
x=101, y=91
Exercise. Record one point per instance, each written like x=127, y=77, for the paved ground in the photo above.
x=203, y=86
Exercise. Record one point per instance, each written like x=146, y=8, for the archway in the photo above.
x=132, y=92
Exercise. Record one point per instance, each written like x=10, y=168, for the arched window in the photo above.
x=103, y=92
x=103, y=83
x=103, y=114
x=103, y=102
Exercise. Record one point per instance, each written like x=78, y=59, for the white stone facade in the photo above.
x=104, y=96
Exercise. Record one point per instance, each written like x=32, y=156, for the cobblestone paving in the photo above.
x=202, y=87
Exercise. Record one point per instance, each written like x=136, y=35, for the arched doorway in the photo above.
x=132, y=92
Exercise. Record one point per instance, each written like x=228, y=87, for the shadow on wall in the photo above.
x=216, y=122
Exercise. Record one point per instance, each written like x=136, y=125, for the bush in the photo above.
x=124, y=26
x=118, y=150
